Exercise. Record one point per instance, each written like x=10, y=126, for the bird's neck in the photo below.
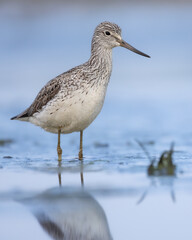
x=101, y=61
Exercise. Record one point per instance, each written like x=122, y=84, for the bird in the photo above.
x=71, y=101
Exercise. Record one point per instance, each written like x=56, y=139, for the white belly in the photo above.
x=72, y=114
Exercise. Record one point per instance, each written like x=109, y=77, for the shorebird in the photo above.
x=71, y=101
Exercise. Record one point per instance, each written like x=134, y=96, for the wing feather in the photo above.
x=46, y=94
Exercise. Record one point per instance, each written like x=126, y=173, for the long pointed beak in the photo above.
x=128, y=46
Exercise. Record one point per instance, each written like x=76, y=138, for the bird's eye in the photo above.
x=107, y=33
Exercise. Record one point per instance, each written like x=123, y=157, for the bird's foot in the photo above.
x=81, y=155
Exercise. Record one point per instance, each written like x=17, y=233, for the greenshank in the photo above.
x=71, y=101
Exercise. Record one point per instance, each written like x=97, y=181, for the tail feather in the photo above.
x=20, y=116
x=13, y=118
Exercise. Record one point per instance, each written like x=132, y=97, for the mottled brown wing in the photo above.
x=45, y=95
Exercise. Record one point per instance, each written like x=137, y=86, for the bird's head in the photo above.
x=108, y=35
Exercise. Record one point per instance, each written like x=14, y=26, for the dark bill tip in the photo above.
x=131, y=48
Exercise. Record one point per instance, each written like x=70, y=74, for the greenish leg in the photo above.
x=59, y=150
x=81, y=146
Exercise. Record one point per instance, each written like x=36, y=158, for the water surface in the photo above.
x=108, y=195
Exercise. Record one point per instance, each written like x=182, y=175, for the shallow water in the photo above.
x=109, y=194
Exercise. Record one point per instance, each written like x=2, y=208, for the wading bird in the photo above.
x=71, y=101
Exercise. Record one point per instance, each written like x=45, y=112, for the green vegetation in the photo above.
x=164, y=166
x=4, y=142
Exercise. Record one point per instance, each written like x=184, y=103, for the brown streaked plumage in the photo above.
x=45, y=95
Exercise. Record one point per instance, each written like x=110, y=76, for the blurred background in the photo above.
x=147, y=99
x=41, y=39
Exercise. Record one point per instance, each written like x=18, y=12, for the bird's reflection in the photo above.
x=60, y=170
x=70, y=214
x=59, y=173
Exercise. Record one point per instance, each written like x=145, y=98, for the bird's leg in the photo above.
x=59, y=150
x=81, y=146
